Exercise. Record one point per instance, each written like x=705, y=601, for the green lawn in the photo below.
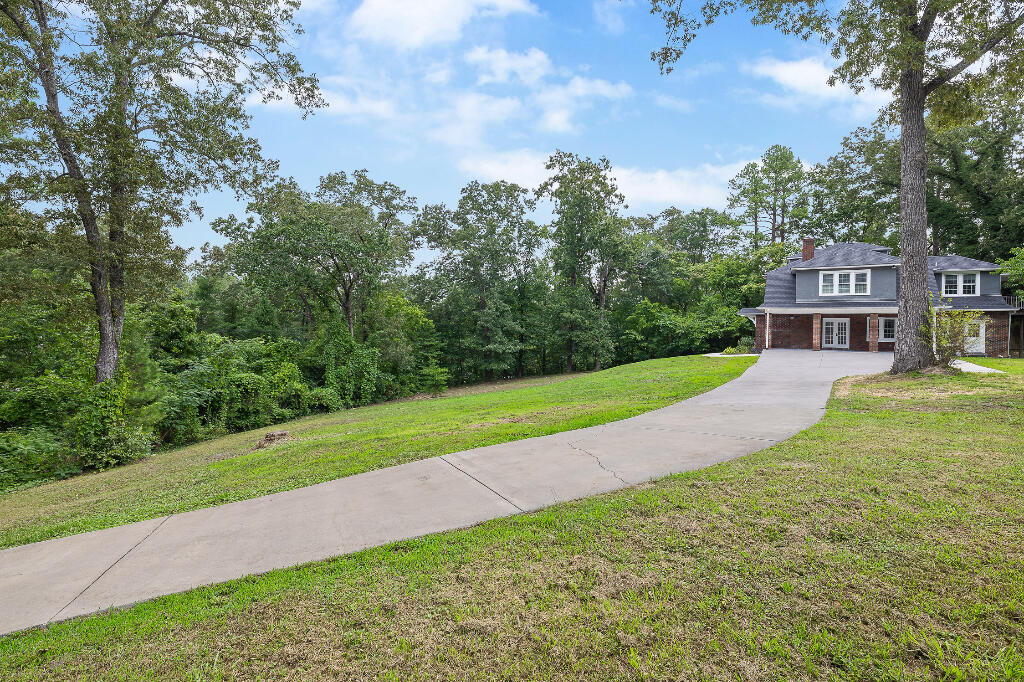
x=1009, y=365
x=882, y=544
x=350, y=442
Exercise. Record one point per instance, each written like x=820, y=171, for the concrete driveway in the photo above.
x=782, y=394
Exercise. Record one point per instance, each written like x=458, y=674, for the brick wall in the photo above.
x=759, y=333
x=997, y=334
x=792, y=331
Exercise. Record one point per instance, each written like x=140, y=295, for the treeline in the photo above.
x=316, y=301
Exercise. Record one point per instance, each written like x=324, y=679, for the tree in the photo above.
x=855, y=193
x=123, y=111
x=698, y=234
x=922, y=51
x=784, y=182
x=585, y=197
x=488, y=250
x=748, y=193
x=335, y=247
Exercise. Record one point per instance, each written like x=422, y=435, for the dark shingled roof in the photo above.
x=975, y=303
x=780, y=283
x=854, y=254
x=959, y=263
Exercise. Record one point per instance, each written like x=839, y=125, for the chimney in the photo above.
x=808, y=248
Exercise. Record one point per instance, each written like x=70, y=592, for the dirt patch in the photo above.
x=272, y=438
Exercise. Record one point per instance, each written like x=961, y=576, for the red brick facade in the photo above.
x=997, y=334
x=791, y=331
x=804, y=331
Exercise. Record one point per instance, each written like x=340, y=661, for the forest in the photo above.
x=351, y=292
x=115, y=341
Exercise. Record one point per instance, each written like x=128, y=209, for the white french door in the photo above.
x=835, y=332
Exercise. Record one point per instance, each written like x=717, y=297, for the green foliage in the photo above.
x=103, y=431
x=1013, y=268
x=31, y=455
x=948, y=331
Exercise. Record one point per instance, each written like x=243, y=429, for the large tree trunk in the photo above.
x=913, y=351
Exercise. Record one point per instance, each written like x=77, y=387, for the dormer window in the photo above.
x=844, y=283
x=960, y=284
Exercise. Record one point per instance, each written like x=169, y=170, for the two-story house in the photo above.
x=844, y=296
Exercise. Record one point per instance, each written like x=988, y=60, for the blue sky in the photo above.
x=430, y=94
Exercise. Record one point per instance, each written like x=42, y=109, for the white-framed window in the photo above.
x=960, y=284
x=844, y=283
x=886, y=329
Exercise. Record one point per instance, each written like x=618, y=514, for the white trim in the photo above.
x=881, y=325
x=852, y=310
x=836, y=274
x=826, y=320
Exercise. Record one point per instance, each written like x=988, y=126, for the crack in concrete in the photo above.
x=481, y=483
x=107, y=569
x=572, y=444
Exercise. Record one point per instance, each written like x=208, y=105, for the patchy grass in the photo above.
x=882, y=544
x=341, y=444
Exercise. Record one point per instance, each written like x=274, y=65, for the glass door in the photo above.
x=835, y=332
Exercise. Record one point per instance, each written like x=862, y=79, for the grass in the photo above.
x=883, y=543
x=1008, y=365
x=341, y=444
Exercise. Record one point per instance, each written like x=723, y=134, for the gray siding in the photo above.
x=883, y=287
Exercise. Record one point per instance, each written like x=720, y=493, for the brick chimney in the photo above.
x=808, y=248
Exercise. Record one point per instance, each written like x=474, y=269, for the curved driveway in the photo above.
x=782, y=394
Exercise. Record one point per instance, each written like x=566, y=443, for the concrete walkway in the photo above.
x=784, y=393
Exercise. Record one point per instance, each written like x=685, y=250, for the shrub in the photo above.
x=731, y=350
x=103, y=433
x=31, y=455
x=948, y=331
x=745, y=344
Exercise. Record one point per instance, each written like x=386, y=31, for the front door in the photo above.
x=975, y=341
x=835, y=332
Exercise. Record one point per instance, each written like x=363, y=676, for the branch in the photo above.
x=952, y=72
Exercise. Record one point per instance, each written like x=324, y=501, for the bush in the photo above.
x=32, y=455
x=948, y=331
x=745, y=344
x=102, y=433
x=731, y=350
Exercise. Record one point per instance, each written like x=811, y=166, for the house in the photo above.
x=844, y=296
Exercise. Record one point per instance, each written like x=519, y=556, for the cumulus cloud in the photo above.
x=804, y=83
x=500, y=65
x=685, y=187
x=409, y=24
x=559, y=103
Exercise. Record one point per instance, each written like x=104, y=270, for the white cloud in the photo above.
x=521, y=166
x=559, y=103
x=703, y=185
x=677, y=104
x=411, y=24
x=464, y=123
x=499, y=65
x=438, y=73
x=608, y=15
x=804, y=83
